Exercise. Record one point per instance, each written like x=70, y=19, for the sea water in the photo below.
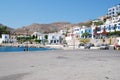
x=18, y=49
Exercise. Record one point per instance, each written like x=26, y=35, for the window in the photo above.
x=81, y=32
x=51, y=41
x=109, y=10
x=117, y=40
x=118, y=27
x=99, y=29
x=116, y=8
x=76, y=29
x=109, y=28
x=54, y=41
x=112, y=28
x=57, y=40
x=5, y=37
x=53, y=37
x=115, y=24
x=89, y=31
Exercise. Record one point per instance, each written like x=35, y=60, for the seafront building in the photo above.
x=55, y=38
x=5, y=38
x=39, y=35
x=87, y=30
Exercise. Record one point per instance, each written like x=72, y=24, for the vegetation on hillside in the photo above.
x=88, y=23
x=98, y=23
x=3, y=30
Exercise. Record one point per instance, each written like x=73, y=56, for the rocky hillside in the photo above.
x=49, y=28
x=43, y=28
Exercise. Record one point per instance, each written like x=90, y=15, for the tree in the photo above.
x=86, y=34
x=3, y=30
x=118, y=13
x=46, y=36
x=38, y=41
x=33, y=37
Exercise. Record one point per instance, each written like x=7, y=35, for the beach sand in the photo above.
x=60, y=65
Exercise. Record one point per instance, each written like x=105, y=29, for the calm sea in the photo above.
x=17, y=49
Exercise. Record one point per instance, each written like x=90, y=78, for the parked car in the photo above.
x=104, y=46
x=81, y=44
x=88, y=45
x=117, y=44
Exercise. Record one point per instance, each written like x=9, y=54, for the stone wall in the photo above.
x=110, y=41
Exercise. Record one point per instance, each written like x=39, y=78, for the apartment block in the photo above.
x=113, y=11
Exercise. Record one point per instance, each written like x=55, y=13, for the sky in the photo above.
x=19, y=13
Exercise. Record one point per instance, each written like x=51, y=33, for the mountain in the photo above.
x=43, y=28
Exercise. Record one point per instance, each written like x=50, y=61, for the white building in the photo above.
x=5, y=37
x=63, y=32
x=76, y=30
x=113, y=11
x=39, y=35
x=54, y=38
x=88, y=30
x=108, y=27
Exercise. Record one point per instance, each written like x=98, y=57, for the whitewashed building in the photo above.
x=62, y=32
x=54, y=38
x=39, y=35
x=5, y=38
x=88, y=30
x=113, y=11
x=76, y=30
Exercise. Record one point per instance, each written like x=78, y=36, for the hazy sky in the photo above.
x=18, y=13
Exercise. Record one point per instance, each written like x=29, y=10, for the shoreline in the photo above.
x=23, y=45
x=59, y=46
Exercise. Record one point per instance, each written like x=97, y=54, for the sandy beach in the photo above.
x=60, y=65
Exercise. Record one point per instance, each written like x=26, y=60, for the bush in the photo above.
x=116, y=33
x=86, y=40
x=38, y=41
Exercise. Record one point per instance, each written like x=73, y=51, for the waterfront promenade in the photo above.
x=61, y=65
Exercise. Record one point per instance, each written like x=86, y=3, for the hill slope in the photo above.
x=43, y=28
